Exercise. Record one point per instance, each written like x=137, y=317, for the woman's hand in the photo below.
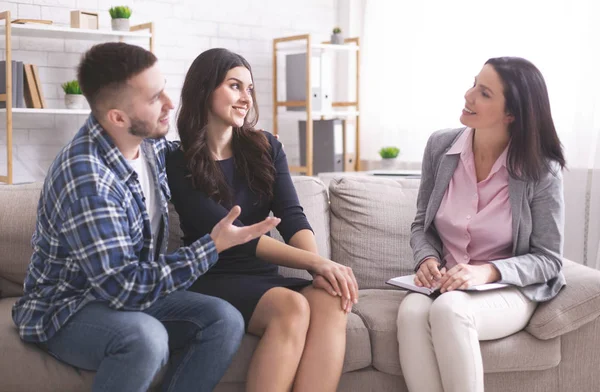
x=319, y=282
x=429, y=273
x=463, y=276
x=341, y=279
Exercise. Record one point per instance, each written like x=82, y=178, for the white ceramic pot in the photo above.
x=120, y=24
x=388, y=163
x=337, y=39
x=74, y=101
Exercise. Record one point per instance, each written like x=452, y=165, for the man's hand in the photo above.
x=226, y=235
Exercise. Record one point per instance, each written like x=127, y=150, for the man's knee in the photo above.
x=148, y=340
x=229, y=322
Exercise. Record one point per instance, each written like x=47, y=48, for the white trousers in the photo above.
x=439, y=339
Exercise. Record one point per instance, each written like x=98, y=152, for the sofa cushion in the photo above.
x=18, y=217
x=370, y=227
x=25, y=367
x=358, y=351
x=576, y=304
x=519, y=352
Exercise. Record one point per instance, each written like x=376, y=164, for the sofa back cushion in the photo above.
x=370, y=227
x=18, y=211
x=313, y=198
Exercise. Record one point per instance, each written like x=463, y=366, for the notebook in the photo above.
x=407, y=282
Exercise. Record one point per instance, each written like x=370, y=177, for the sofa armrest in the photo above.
x=576, y=304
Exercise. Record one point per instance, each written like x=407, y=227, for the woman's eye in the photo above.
x=235, y=86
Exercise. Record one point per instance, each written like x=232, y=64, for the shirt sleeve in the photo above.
x=285, y=204
x=97, y=232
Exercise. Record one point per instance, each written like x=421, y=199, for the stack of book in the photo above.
x=26, y=86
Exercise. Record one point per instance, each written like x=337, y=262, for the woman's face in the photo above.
x=485, y=103
x=232, y=100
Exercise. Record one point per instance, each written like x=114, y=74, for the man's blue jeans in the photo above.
x=127, y=349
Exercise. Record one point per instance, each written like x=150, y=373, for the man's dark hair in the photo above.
x=105, y=69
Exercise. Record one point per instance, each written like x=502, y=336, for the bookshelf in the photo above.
x=340, y=109
x=143, y=31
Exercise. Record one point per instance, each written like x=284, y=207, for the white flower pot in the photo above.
x=120, y=24
x=388, y=163
x=74, y=101
x=337, y=39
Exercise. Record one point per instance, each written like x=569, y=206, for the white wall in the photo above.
x=184, y=28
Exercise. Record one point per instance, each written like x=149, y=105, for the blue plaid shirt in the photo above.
x=93, y=240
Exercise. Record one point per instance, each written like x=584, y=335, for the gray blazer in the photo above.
x=538, y=219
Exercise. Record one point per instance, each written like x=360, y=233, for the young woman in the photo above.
x=490, y=209
x=224, y=162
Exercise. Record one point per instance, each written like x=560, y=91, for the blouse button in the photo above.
x=468, y=216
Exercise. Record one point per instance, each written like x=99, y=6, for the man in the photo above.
x=100, y=292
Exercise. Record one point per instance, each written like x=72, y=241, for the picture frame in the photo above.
x=85, y=20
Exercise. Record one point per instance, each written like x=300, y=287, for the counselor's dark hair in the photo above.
x=251, y=149
x=105, y=69
x=534, y=142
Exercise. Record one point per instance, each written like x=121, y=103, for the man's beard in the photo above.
x=142, y=129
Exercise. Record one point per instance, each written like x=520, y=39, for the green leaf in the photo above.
x=71, y=87
x=120, y=12
x=389, y=152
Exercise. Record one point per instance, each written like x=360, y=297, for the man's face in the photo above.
x=149, y=106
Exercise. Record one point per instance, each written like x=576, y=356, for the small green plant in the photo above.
x=337, y=30
x=389, y=152
x=120, y=12
x=71, y=87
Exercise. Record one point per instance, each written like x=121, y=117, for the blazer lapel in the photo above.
x=445, y=171
x=516, y=190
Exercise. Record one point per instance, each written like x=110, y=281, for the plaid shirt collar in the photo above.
x=110, y=152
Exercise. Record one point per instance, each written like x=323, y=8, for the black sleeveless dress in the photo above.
x=239, y=276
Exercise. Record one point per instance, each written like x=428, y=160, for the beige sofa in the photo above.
x=364, y=223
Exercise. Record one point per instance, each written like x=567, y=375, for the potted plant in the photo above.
x=120, y=17
x=74, y=98
x=336, y=36
x=388, y=157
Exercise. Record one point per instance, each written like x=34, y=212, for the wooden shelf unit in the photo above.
x=141, y=31
x=304, y=44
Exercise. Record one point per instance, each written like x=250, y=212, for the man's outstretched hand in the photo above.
x=226, y=235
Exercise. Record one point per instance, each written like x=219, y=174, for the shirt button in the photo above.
x=468, y=216
x=465, y=257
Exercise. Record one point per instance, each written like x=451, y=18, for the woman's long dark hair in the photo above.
x=251, y=149
x=534, y=143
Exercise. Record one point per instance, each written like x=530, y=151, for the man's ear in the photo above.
x=118, y=118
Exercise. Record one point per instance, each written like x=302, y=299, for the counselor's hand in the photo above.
x=429, y=274
x=463, y=276
x=341, y=279
x=225, y=234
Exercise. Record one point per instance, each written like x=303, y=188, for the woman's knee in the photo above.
x=292, y=311
x=450, y=308
x=325, y=308
x=414, y=311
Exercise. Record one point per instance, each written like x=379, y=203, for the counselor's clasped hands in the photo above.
x=459, y=277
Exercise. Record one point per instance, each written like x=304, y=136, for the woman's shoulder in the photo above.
x=440, y=141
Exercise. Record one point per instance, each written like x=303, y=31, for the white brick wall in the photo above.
x=184, y=28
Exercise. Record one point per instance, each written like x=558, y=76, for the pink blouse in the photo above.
x=474, y=220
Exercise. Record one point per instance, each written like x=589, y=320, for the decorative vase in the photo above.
x=120, y=24
x=388, y=163
x=74, y=101
x=337, y=39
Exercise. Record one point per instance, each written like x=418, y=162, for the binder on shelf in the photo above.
x=31, y=92
x=17, y=84
x=38, y=85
